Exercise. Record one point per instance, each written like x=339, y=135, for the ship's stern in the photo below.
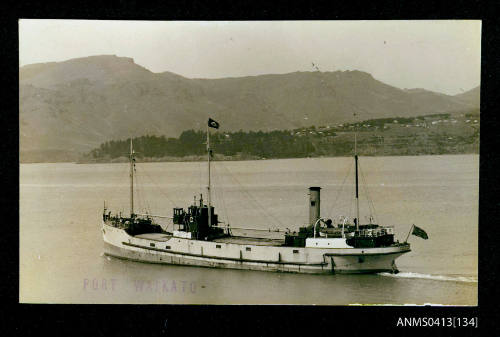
x=371, y=260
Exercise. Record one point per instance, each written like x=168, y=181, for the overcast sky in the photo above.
x=442, y=56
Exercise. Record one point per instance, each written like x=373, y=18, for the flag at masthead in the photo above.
x=213, y=124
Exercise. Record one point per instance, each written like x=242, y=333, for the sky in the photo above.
x=438, y=55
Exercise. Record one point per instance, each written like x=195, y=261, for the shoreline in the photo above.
x=194, y=159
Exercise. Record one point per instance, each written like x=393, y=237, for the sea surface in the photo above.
x=61, y=258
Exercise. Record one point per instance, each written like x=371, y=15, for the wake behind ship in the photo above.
x=199, y=239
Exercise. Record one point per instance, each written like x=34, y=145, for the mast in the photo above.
x=357, y=195
x=208, y=187
x=131, y=179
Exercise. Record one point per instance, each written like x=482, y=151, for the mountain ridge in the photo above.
x=471, y=96
x=77, y=104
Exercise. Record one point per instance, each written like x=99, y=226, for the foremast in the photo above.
x=208, y=185
x=132, y=164
x=357, y=194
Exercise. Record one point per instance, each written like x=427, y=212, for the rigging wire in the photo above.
x=341, y=188
x=159, y=189
x=352, y=203
x=119, y=174
x=143, y=202
x=192, y=178
x=217, y=190
x=302, y=212
x=370, y=201
x=250, y=197
x=200, y=176
x=138, y=199
x=140, y=194
x=123, y=174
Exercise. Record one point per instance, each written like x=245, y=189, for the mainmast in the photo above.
x=357, y=195
x=131, y=156
x=208, y=187
x=215, y=125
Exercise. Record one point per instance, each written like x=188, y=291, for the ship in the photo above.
x=199, y=239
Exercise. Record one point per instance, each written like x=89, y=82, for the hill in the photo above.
x=429, y=134
x=73, y=106
x=471, y=97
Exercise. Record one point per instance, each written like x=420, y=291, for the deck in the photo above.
x=154, y=236
x=242, y=240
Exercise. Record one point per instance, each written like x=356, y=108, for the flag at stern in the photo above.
x=417, y=231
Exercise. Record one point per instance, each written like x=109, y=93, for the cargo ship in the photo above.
x=199, y=239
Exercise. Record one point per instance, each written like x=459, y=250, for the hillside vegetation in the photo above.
x=430, y=134
x=71, y=107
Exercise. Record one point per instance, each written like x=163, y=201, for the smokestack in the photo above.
x=314, y=204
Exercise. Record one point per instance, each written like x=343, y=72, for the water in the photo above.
x=61, y=257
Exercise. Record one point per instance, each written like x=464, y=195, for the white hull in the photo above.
x=183, y=251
